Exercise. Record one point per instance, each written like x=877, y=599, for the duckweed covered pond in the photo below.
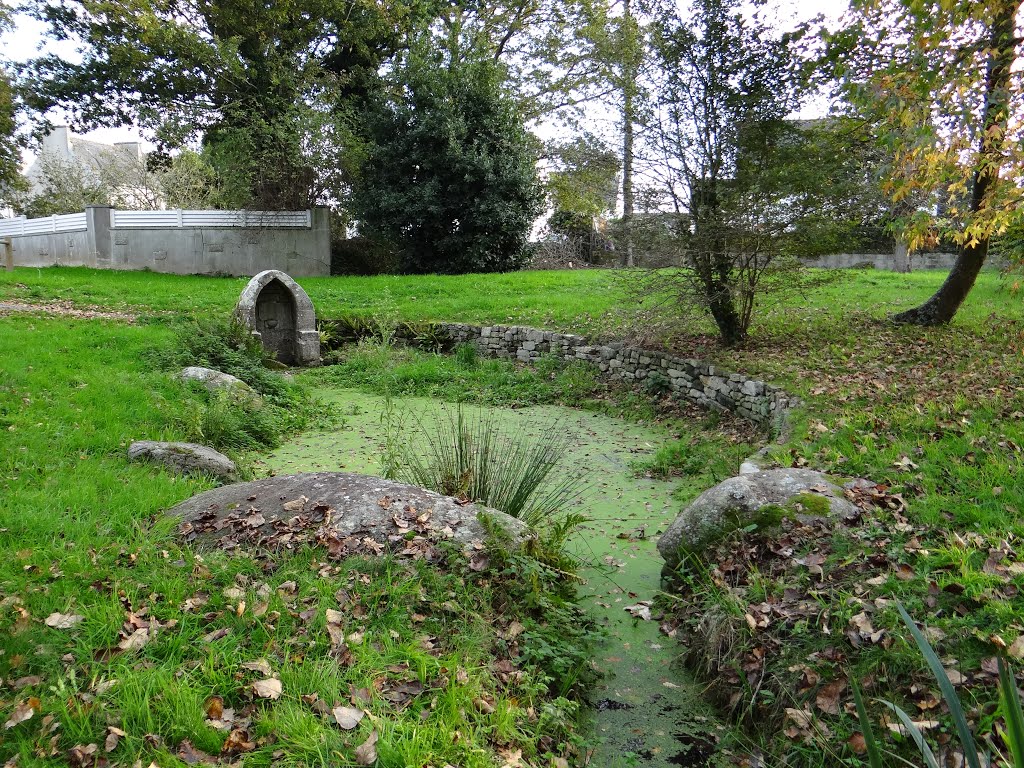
x=645, y=710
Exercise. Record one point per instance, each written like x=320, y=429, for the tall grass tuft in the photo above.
x=472, y=458
x=1010, y=703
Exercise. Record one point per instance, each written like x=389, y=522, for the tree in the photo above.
x=581, y=191
x=244, y=74
x=939, y=80
x=10, y=142
x=722, y=147
x=65, y=186
x=449, y=178
x=551, y=50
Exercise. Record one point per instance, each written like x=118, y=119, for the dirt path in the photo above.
x=645, y=711
x=65, y=309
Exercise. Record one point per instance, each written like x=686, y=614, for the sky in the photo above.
x=28, y=39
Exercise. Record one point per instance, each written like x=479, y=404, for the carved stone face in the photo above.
x=275, y=321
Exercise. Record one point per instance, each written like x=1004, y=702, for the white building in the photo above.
x=120, y=166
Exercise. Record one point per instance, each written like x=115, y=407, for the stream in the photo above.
x=645, y=710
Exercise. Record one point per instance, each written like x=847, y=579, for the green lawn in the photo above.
x=934, y=415
x=119, y=643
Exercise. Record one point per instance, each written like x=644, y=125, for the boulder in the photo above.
x=216, y=381
x=184, y=458
x=756, y=498
x=347, y=513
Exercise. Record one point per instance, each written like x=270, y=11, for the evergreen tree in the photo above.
x=449, y=180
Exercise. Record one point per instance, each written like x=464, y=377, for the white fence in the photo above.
x=71, y=222
x=213, y=219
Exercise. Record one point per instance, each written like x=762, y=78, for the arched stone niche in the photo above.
x=279, y=313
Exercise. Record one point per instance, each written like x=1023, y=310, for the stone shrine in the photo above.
x=279, y=313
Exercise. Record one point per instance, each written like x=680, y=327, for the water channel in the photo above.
x=646, y=711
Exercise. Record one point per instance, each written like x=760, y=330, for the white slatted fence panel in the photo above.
x=213, y=219
x=71, y=222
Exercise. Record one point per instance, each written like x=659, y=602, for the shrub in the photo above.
x=473, y=459
x=225, y=422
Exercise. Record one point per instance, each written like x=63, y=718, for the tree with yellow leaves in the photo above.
x=939, y=79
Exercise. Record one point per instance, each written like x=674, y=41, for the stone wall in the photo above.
x=693, y=380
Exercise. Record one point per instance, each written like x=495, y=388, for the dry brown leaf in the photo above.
x=237, y=742
x=23, y=712
x=63, y=620
x=639, y=611
x=268, y=689
x=347, y=717
x=135, y=640
x=260, y=666
x=1016, y=649
x=113, y=737
x=214, y=707
x=828, y=696
x=858, y=743
x=366, y=753
x=192, y=756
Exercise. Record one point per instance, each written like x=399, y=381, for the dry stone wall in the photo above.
x=693, y=380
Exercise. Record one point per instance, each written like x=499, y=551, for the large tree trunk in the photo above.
x=942, y=306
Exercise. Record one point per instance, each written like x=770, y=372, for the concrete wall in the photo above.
x=184, y=251
x=884, y=261
x=693, y=380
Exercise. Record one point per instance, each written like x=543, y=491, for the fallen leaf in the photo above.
x=268, y=689
x=81, y=755
x=347, y=717
x=639, y=611
x=261, y=666
x=214, y=707
x=827, y=699
x=23, y=712
x=366, y=753
x=135, y=640
x=236, y=742
x=63, y=620
x=113, y=737
x=1016, y=649
x=192, y=756
x=858, y=743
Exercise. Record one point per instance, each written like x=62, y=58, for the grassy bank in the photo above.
x=584, y=301
x=934, y=416
x=122, y=644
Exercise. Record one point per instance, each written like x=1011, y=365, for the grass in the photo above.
x=430, y=656
x=409, y=372
x=543, y=299
x=935, y=415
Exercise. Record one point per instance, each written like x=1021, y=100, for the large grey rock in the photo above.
x=280, y=314
x=340, y=510
x=216, y=381
x=751, y=498
x=185, y=458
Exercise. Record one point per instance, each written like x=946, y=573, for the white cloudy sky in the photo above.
x=28, y=39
